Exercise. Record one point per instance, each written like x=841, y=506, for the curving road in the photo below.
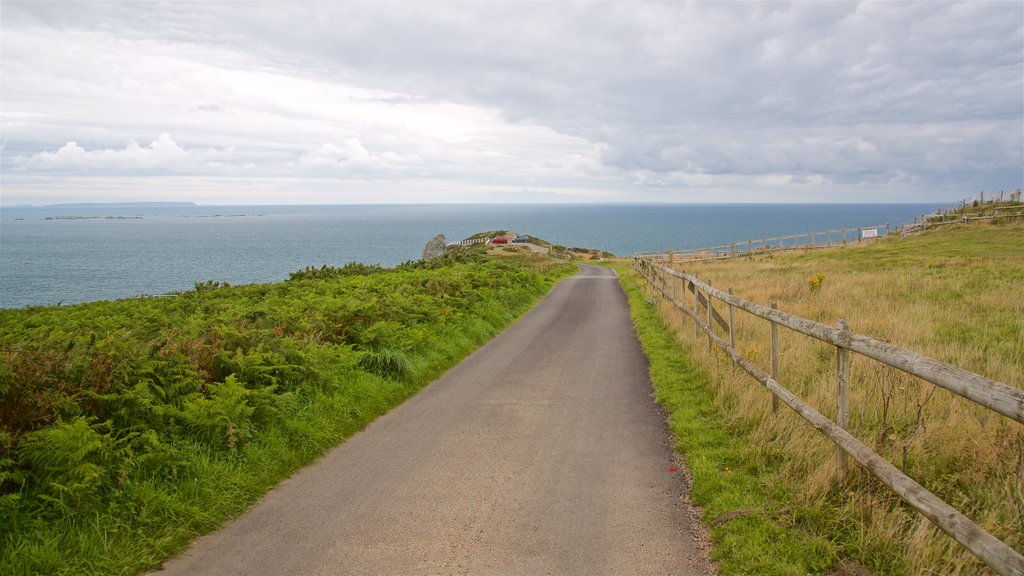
x=541, y=453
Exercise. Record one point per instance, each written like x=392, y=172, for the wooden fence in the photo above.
x=991, y=394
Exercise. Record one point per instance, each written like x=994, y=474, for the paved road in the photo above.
x=541, y=453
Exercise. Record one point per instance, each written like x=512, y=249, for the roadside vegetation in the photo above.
x=953, y=294
x=127, y=428
x=744, y=502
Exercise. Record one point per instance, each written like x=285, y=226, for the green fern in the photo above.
x=224, y=418
x=69, y=463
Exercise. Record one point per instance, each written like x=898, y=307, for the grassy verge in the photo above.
x=128, y=428
x=952, y=294
x=762, y=536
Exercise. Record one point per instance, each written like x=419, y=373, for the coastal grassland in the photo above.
x=128, y=428
x=952, y=294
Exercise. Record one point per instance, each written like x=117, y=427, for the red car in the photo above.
x=500, y=240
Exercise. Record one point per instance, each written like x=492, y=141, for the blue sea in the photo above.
x=65, y=254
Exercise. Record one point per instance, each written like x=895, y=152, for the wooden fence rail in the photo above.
x=991, y=394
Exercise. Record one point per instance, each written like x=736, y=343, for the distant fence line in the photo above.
x=469, y=242
x=673, y=285
x=824, y=239
x=939, y=220
x=828, y=238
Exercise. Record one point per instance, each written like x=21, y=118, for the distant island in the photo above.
x=93, y=218
x=113, y=205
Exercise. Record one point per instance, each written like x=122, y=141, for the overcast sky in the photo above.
x=291, y=103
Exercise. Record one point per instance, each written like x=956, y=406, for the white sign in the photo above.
x=869, y=233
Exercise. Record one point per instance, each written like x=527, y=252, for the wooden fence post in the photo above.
x=775, y=356
x=682, y=298
x=732, y=335
x=707, y=294
x=842, y=396
x=696, y=322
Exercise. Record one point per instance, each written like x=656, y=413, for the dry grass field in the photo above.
x=956, y=295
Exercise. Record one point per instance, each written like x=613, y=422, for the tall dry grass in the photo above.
x=956, y=295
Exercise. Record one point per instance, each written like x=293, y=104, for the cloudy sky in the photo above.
x=328, y=102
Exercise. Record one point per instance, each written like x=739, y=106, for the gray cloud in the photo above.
x=676, y=101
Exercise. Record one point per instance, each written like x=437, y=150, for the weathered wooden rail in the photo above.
x=991, y=394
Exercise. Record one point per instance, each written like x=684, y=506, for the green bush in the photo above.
x=326, y=272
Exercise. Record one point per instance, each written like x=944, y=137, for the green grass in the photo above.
x=129, y=428
x=729, y=472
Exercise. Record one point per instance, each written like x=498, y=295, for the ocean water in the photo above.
x=153, y=250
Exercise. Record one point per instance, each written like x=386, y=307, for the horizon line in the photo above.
x=189, y=204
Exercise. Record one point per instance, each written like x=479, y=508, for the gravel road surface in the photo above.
x=541, y=453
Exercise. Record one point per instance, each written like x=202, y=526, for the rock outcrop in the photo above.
x=435, y=248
